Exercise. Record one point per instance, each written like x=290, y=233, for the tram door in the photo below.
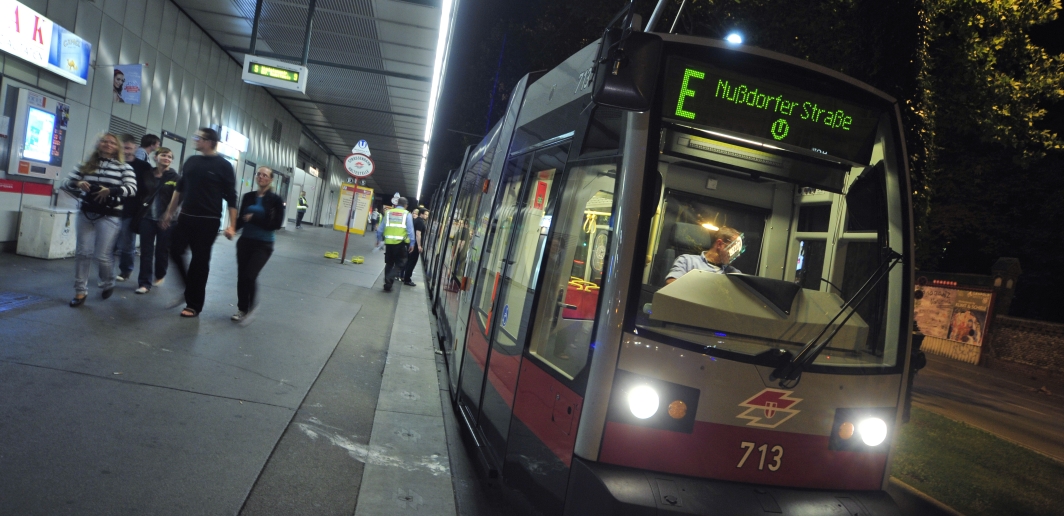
x=502, y=305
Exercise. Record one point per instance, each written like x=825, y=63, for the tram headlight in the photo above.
x=862, y=429
x=873, y=431
x=643, y=401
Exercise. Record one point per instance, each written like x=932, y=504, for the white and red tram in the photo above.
x=594, y=376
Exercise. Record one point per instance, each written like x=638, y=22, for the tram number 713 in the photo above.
x=777, y=455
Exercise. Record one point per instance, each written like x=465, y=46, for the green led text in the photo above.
x=754, y=98
x=685, y=92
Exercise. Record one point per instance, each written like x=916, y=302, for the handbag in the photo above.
x=134, y=225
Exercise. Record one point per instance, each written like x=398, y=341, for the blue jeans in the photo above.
x=125, y=247
x=96, y=241
x=154, y=246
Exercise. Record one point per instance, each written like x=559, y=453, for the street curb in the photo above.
x=925, y=497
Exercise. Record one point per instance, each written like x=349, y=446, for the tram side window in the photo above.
x=572, y=269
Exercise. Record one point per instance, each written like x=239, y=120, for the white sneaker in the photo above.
x=142, y=290
x=121, y=278
x=159, y=282
x=239, y=316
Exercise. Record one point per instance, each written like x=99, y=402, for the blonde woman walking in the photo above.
x=104, y=181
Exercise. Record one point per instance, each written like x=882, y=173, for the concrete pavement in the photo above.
x=121, y=406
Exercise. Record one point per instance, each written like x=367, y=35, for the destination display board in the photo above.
x=708, y=95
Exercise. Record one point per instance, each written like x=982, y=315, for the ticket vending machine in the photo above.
x=37, y=136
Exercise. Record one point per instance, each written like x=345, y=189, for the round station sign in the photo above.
x=358, y=166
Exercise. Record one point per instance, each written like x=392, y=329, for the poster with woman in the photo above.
x=126, y=85
x=952, y=314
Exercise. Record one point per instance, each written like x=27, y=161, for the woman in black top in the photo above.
x=261, y=214
x=104, y=181
x=156, y=189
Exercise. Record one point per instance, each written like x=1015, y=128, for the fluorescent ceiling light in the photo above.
x=437, y=72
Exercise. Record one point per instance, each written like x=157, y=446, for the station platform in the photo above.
x=331, y=401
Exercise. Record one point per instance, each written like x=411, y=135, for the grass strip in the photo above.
x=974, y=471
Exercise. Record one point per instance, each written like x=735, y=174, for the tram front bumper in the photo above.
x=596, y=488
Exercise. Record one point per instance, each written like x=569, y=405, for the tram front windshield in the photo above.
x=780, y=198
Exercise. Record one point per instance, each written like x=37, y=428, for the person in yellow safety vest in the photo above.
x=301, y=209
x=397, y=233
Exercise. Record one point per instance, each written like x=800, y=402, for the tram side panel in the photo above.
x=502, y=310
x=445, y=234
x=474, y=359
x=436, y=220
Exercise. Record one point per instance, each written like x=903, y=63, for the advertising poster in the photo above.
x=70, y=55
x=952, y=314
x=541, y=195
x=362, y=198
x=30, y=36
x=343, y=206
x=127, y=83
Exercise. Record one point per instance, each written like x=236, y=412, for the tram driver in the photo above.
x=727, y=246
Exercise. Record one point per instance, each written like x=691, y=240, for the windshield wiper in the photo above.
x=790, y=372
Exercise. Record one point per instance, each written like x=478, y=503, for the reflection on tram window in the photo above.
x=743, y=266
x=573, y=266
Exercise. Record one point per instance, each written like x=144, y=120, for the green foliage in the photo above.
x=988, y=81
x=987, y=87
x=974, y=471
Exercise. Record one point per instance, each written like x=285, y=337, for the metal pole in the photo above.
x=306, y=38
x=350, y=215
x=658, y=10
x=678, y=13
x=255, y=27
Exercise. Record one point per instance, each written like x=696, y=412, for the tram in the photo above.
x=689, y=292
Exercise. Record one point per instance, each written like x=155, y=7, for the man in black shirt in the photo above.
x=420, y=216
x=126, y=244
x=205, y=182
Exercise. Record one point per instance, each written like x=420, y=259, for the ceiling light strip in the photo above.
x=442, y=44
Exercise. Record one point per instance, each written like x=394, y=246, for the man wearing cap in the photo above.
x=397, y=233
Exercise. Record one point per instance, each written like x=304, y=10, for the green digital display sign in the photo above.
x=273, y=72
x=711, y=96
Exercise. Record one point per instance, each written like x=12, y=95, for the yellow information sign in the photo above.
x=362, y=198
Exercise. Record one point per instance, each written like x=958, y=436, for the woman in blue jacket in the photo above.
x=261, y=215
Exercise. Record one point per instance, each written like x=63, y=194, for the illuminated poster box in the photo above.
x=30, y=36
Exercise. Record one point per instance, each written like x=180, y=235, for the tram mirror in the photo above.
x=626, y=70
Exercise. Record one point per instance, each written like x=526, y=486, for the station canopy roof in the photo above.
x=370, y=71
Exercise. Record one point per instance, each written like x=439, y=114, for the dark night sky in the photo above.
x=477, y=19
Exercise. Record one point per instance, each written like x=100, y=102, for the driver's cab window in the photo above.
x=695, y=231
x=747, y=263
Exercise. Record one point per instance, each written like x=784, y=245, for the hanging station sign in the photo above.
x=359, y=166
x=30, y=36
x=274, y=73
